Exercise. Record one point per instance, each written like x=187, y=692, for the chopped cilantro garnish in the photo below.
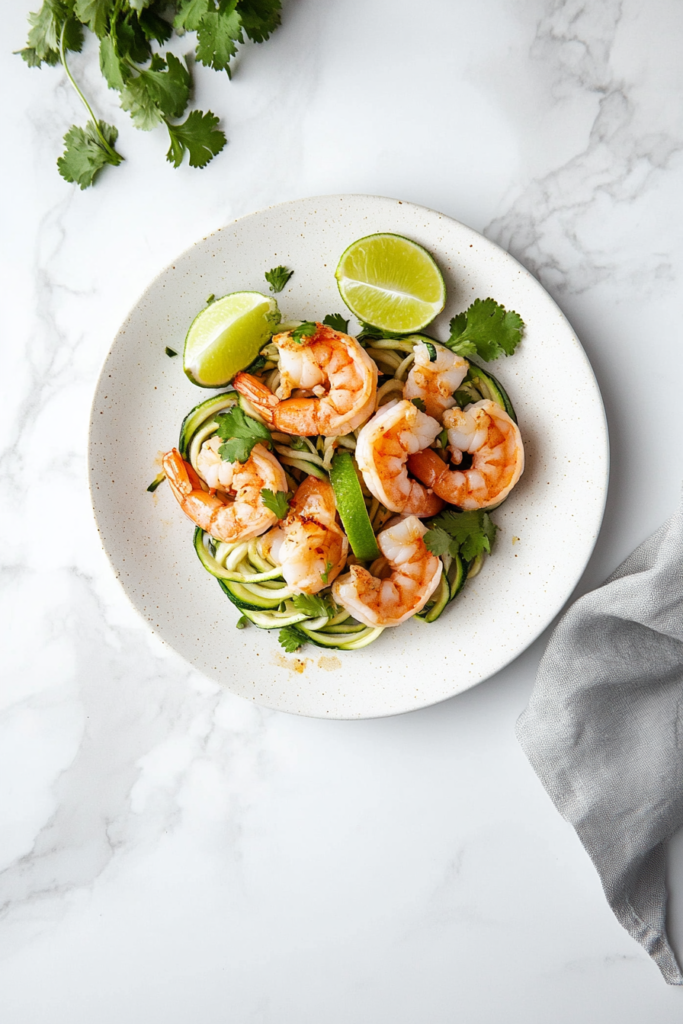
x=466, y=533
x=170, y=352
x=486, y=330
x=313, y=605
x=278, y=277
x=337, y=322
x=276, y=501
x=241, y=433
x=419, y=404
x=291, y=639
x=305, y=330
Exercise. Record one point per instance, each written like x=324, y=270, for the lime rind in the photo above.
x=351, y=508
x=227, y=336
x=391, y=282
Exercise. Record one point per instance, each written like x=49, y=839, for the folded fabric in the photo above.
x=604, y=731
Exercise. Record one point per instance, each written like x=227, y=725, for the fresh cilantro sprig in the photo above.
x=466, y=533
x=486, y=329
x=277, y=278
x=291, y=639
x=337, y=322
x=305, y=330
x=276, y=501
x=155, y=90
x=240, y=433
x=313, y=605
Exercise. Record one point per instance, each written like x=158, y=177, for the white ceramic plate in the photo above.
x=548, y=527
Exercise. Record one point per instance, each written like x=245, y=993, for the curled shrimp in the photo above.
x=232, y=510
x=336, y=370
x=415, y=575
x=383, y=448
x=435, y=380
x=309, y=544
x=495, y=443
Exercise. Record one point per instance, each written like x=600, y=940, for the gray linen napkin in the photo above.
x=604, y=731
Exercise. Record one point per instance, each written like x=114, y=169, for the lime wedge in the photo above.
x=390, y=282
x=228, y=335
x=351, y=507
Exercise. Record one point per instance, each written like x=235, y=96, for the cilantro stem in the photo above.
x=116, y=158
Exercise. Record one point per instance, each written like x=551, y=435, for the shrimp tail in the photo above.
x=258, y=394
x=427, y=467
x=186, y=486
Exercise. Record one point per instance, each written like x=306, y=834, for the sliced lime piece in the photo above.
x=351, y=507
x=390, y=282
x=227, y=336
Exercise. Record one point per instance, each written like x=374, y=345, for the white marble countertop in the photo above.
x=169, y=852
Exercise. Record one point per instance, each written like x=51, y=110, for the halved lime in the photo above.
x=351, y=507
x=228, y=335
x=390, y=282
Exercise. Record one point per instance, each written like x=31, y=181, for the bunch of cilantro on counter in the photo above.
x=154, y=89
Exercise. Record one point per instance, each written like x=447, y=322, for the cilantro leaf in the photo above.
x=337, y=322
x=157, y=92
x=438, y=541
x=85, y=154
x=170, y=352
x=305, y=330
x=325, y=575
x=276, y=501
x=419, y=404
x=189, y=15
x=260, y=18
x=218, y=33
x=47, y=25
x=486, y=330
x=115, y=71
x=313, y=605
x=466, y=533
x=197, y=135
x=154, y=26
x=278, y=277
x=241, y=433
x=95, y=14
x=257, y=365
x=291, y=639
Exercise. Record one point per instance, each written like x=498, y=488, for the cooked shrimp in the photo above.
x=435, y=381
x=309, y=544
x=333, y=367
x=228, y=518
x=384, y=444
x=415, y=575
x=495, y=443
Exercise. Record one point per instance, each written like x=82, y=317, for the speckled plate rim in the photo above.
x=306, y=690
